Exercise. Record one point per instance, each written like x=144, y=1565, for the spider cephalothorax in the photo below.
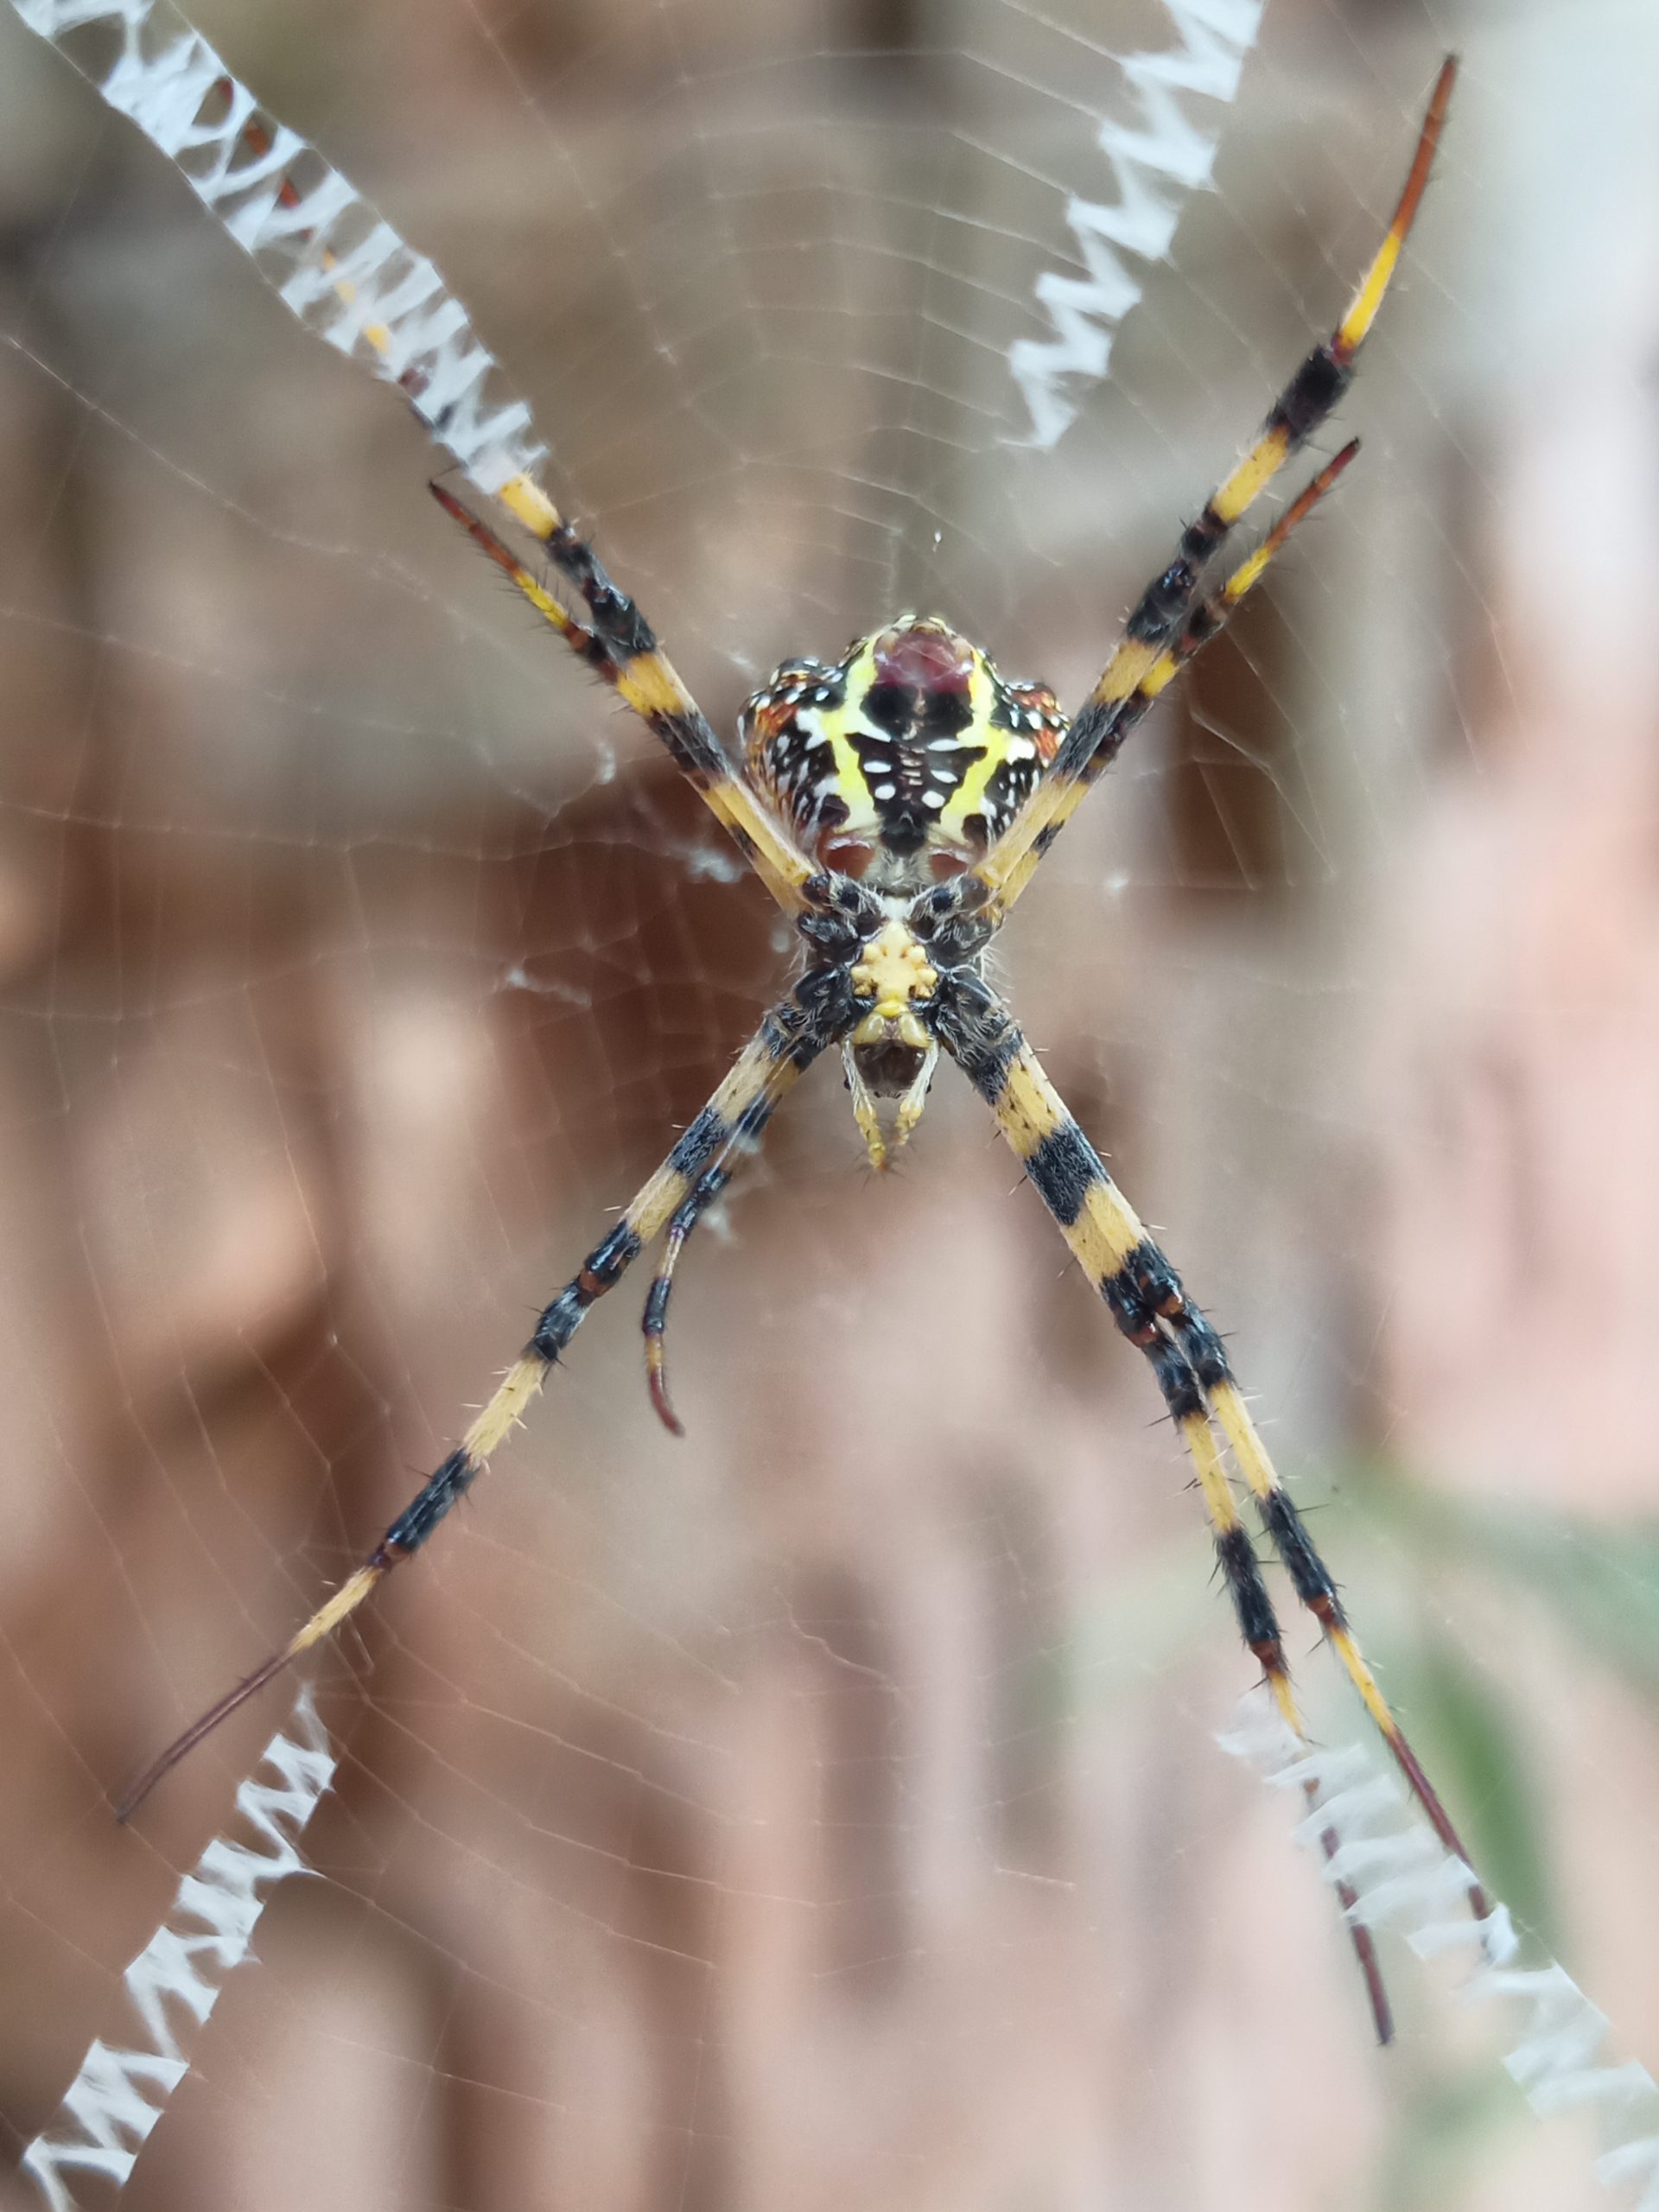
x=895, y=803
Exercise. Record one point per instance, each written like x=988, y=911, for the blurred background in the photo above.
x=825, y=1808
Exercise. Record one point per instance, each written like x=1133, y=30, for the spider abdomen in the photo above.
x=900, y=763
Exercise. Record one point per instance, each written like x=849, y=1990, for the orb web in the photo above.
x=827, y=1805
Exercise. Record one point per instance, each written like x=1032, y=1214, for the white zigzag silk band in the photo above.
x=176, y=1981
x=1403, y=1876
x=345, y=272
x=1155, y=164
x=331, y=258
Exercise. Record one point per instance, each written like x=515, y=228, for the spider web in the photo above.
x=825, y=1808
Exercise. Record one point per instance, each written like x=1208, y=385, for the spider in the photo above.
x=895, y=803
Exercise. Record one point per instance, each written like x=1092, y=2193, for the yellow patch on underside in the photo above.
x=892, y=971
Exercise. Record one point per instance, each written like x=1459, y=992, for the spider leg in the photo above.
x=619, y=644
x=654, y=1325
x=714, y=1181
x=1163, y=607
x=1144, y=1295
x=616, y=640
x=1206, y=621
x=654, y=1322
x=789, y=1040
x=1211, y=616
x=982, y=1037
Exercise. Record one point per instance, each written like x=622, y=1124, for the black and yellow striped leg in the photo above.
x=1316, y=1590
x=1156, y=1284
x=1146, y=1327
x=709, y=1186
x=1144, y=1297
x=616, y=641
x=1300, y=410
x=982, y=1037
x=654, y=1324
x=1211, y=616
x=983, y=906
x=815, y=1014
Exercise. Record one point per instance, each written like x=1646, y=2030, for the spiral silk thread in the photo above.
x=1403, y=1876
x=349, y=276
x=1156, y=162
x=174, y=1982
